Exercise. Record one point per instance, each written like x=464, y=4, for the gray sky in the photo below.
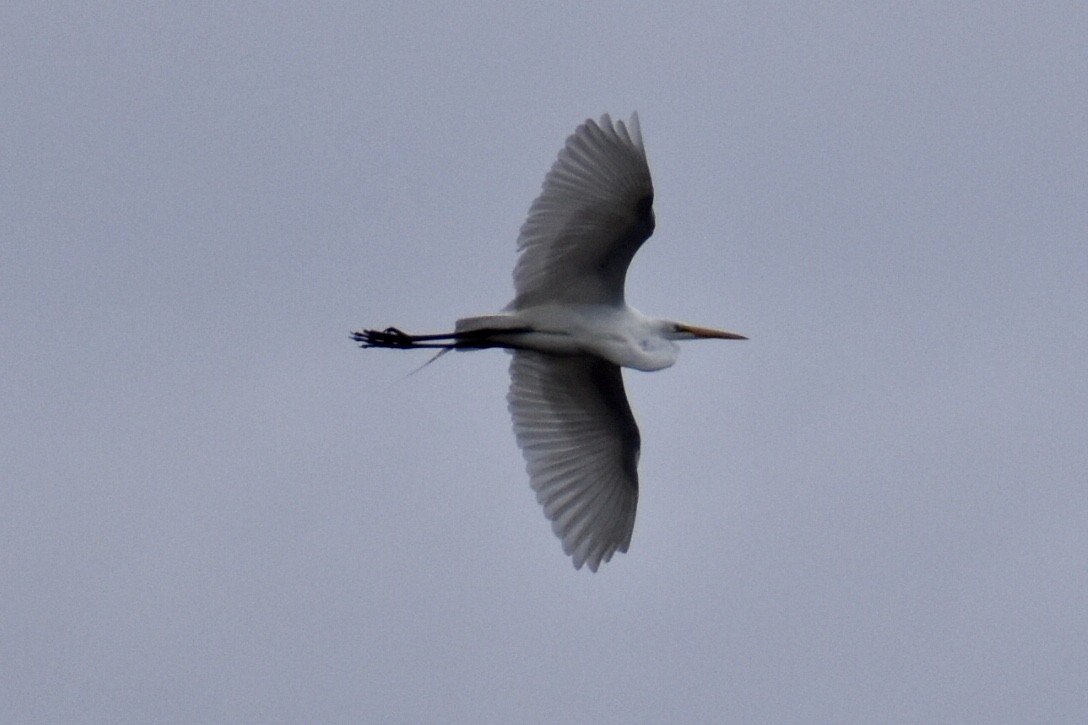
x=216, y=509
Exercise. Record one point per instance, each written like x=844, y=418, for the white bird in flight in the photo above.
x=570, y=331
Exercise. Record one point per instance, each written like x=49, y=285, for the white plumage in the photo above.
x=570, y=331
x=595, y=210
x=581, y=447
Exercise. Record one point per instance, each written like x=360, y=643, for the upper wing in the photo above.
x=581, y=447
x=593, y=213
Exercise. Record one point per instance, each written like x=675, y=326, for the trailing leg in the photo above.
x=472, y=339
x=394, y=338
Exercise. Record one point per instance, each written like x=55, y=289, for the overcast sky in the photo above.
x=215, y=508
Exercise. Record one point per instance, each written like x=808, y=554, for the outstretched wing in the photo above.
x=593, y=213
x=581, y=446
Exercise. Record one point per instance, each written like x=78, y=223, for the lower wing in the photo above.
x=581, y=446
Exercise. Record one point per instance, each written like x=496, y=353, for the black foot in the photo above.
x=389, y=337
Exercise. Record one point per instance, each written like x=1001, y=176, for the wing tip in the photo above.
x=629, y=131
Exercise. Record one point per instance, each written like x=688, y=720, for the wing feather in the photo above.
x=581, y=446
x=594, y=212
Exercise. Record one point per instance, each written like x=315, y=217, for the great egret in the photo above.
x=570, y=332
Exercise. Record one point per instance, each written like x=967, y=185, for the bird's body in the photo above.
x=617, y=333
x=570, y=331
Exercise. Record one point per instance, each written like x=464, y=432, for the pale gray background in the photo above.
x=216, y=509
